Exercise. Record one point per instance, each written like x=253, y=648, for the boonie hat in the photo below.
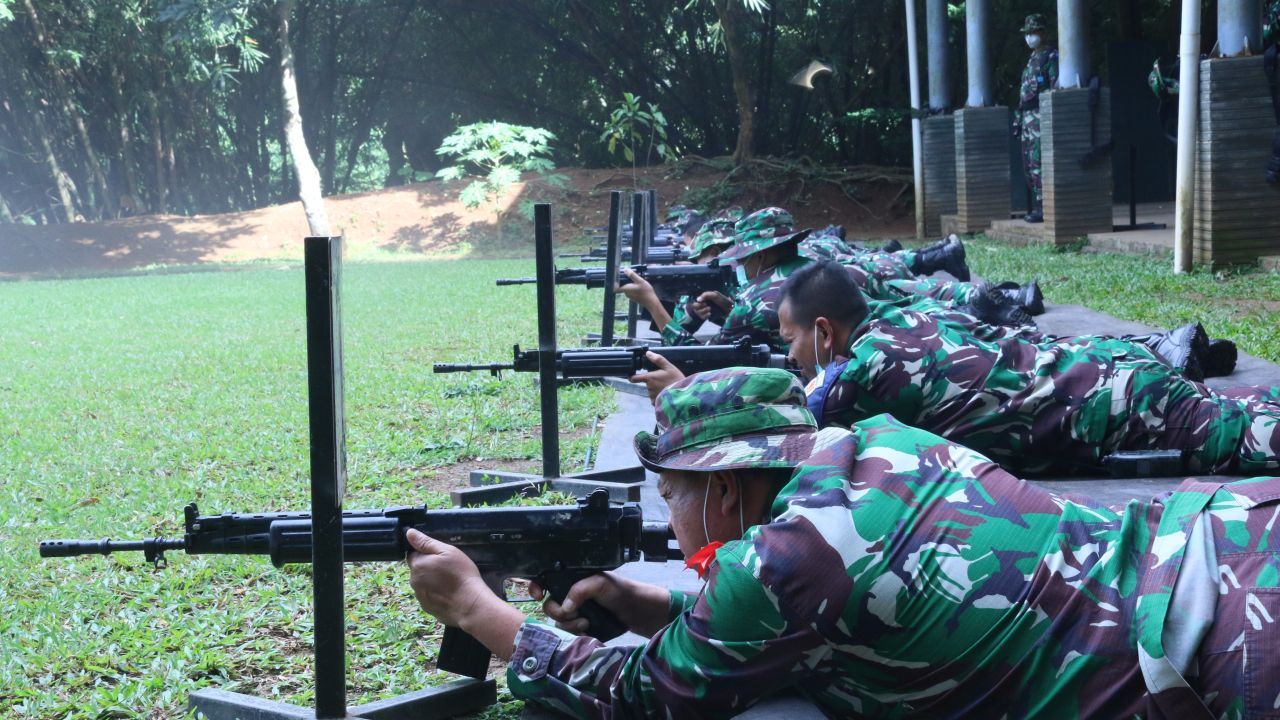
x=762, y=230
x=730, y=419
x=1034, y=23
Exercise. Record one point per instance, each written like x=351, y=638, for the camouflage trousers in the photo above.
x=892, y=278
x=1029, y=134
x=1234, y=431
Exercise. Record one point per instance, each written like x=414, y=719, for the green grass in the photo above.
x=1242, y=305
x=122, y=399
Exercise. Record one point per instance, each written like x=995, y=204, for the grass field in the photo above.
x=1243, y=305
x=123, y=399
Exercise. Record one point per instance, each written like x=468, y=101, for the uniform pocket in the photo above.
x=1262, y=653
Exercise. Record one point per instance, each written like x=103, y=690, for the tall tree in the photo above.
x=303, y=166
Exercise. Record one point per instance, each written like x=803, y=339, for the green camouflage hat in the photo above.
x=1034, y=23
x=762, y=230
x=730, y=419
x=674, y=213
x=717, y=231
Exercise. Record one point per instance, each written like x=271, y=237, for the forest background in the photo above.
x=127, y=107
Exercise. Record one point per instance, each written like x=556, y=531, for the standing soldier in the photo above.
x=1040, y=75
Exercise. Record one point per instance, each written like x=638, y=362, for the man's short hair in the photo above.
x=824, y=289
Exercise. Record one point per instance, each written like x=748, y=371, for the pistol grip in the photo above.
x=462, y=654
x=602, y=624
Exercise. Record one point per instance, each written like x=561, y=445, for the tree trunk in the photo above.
x=132, y=202
x=303, y=166
x=66, y=189
x=742, y=92
x=160, y=193
x=68, y=107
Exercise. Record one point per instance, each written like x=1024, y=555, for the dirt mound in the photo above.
x=419, y=219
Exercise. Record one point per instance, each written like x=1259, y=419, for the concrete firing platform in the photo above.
x=1015, y=231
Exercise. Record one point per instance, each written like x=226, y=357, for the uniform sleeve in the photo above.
x=733, y=647
x=683, y=325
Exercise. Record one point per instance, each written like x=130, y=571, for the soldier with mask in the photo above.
x=678, y=327
x=1044, y=407
x=887, y=572
x=1040, y=75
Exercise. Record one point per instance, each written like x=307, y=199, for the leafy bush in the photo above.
x=495, y=154
x=631, y=126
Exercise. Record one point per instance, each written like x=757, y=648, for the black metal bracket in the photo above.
x=328, y=484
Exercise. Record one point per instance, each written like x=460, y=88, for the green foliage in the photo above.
x=494, y=153
x=221, y=27
x=125, y=398
x=6, y=11
x=633, y=127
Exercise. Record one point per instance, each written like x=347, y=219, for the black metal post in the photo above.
x=328, y=469
x=652, y=197
x=612, y=245
x=546, y=269
x=638, y=242
x=1133, y=186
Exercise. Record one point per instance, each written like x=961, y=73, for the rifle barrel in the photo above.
x=517, y=281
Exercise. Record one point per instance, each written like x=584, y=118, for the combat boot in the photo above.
x=1183, y=348
x=892, y=246
x=991, y=306
x=1220, y=360
x=947, y=255
x=1028, y=296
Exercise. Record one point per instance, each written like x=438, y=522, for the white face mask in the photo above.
x=1033, y=41
x=819, y=370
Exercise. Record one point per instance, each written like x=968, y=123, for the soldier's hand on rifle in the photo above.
x=449, y=586
x=709, y=298
x=638, y=290
x=663, y=374
x=640, y=606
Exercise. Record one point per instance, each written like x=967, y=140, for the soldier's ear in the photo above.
x=726, y=491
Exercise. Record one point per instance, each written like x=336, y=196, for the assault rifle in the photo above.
x=554, y=546
x=627, y=361
x=664, y=236
x=670, y=282
x=655, y=256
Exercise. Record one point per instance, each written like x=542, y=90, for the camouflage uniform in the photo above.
x=1271, y=24
x=900, y=575
x=1042, y=407
x=684, y=321
x=1040, y=75
x=755, y=308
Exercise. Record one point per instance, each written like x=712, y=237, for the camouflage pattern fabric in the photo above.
x=754, y=314
x=888, y=277
x=1040, y=75
x=761, y=230
x=1271, y=23
x=1165, y=87
x=730, y=419
x=904, y=576
x=684, y=324
x=1042, y=407
x=825, y=247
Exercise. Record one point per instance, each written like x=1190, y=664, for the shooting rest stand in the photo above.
x=493, y=486
x=328, y=485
